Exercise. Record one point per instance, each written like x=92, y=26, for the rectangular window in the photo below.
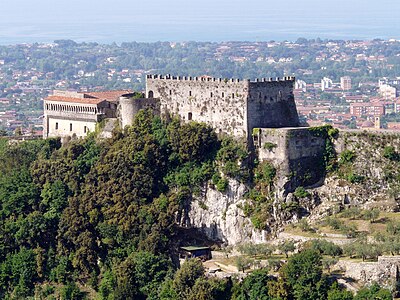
x=56, y=125
x=84, y=129
x=70, y=126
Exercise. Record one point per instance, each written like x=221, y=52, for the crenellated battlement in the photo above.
x=233, y=106
x=213, y=79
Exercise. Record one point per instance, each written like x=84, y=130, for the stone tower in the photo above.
x=231, y=106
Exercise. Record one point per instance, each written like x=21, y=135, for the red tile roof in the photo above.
x=74, y=100
x=91, y=97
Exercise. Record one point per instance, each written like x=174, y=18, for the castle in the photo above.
x=230, y=106
x=261, y=111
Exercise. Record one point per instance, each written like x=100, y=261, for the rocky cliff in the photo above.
x=366, y=173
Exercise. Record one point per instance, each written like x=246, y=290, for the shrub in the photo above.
x=304, y=226
x=325, y=247
x=347, y=156
x=352, y=213
x=300, y=192
x=269, y=146
x=354, y=178
x=265, y=172
x=390, y=153
x=220, y=183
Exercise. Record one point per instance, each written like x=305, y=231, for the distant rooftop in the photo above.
x=87, y=97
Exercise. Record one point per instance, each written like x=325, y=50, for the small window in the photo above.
x=170, y=92
x=211, y=94
x=190, y=115
x=233, y=95
x=84, y=129
x=223, y=94
x=151, y=94
x=190, y=93
x=70, y=126
x=56, y=125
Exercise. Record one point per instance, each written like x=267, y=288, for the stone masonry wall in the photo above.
x=384, y=271
x=231, y=106
x=220, y=103
x=295, y=152
x=271, y=104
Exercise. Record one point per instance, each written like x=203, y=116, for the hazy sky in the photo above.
x=183, y=19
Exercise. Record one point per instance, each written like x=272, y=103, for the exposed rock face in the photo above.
x=220, y=216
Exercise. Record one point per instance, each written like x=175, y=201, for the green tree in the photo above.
x=254, y=287
x=185, y=278
x=286, y=247
x=336, y=293
x=303, y=275
x=373, y=292
x=143, y=272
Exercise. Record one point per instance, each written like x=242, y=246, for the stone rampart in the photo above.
x=222, y=104
x=232, y=106
x=297, y=153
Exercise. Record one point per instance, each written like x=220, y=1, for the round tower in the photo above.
x=127, y=109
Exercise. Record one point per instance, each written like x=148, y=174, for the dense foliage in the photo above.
x=101, y=212
x=100, y=218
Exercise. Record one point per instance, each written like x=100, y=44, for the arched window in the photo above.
x=190, y=115
x=151, y=94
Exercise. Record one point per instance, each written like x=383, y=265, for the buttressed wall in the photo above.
x=231, y=106
x=297, y=153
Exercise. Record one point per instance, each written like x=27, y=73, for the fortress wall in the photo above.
x=218, y=102
x=271, y=104
x=297, y=154
x=128, y=107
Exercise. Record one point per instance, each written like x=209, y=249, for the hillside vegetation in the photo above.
x=99, y=219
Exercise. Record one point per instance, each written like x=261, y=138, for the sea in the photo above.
x=213, y=29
